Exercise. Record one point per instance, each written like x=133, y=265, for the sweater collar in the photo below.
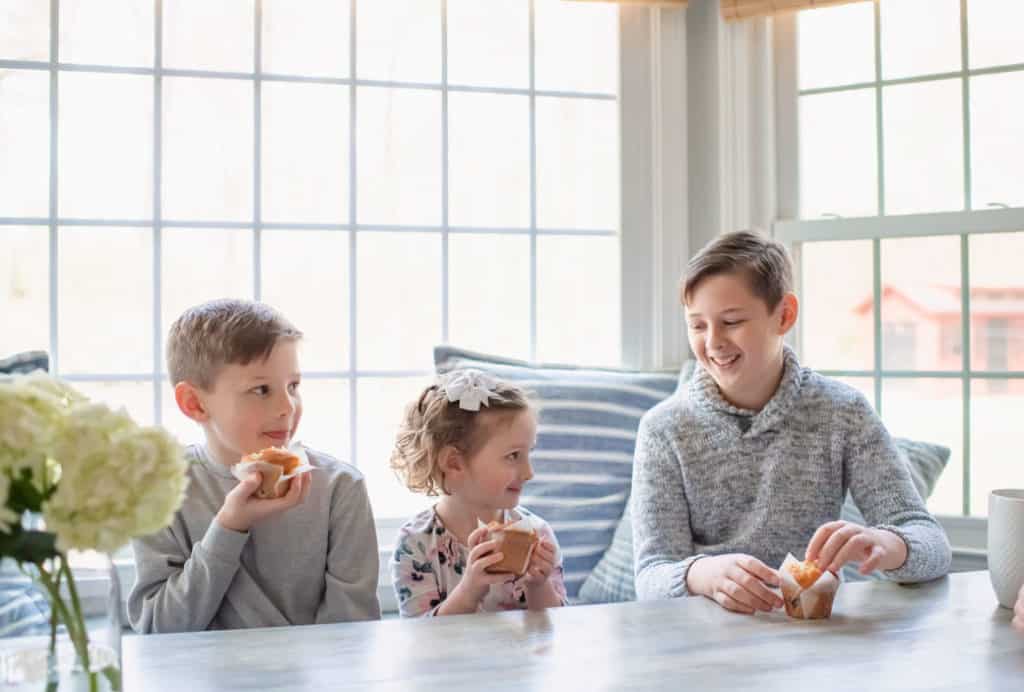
x=705, y=393
x=203, y=455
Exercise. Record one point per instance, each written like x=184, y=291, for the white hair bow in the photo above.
x=469, y=387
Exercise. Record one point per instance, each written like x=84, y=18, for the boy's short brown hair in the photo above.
x=209, y=336
x=764, y=262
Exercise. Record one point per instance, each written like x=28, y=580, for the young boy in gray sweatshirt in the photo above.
x=229, y=559
x=754, y=459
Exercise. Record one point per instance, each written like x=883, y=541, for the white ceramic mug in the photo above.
x=1006, y=544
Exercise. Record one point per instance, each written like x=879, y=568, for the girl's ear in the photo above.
x=451, y=460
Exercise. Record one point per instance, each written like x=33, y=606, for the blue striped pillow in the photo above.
x=24, y=609
x=584, y=456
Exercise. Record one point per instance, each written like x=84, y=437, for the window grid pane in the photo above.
x=230, y=236
x=975, y=348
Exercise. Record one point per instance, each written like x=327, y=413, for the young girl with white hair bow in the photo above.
x=468, y=438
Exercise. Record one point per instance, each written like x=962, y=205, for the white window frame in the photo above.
x=155, y=225
x=653, y=212
x=967, y=533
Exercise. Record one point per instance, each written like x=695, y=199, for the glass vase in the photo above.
x=82, y=652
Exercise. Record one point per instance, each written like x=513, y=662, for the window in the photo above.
x=900, y=339
x=391, y=174
x=911, y=146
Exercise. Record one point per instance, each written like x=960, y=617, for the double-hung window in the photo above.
x=391, y=174
x=911, y=231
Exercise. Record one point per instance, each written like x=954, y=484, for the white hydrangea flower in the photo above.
x=32, y=408
x=117, y=480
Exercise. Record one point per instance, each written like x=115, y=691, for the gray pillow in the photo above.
x=612, y=579
x=24, y=362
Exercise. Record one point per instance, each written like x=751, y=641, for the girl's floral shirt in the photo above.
x=428, y=563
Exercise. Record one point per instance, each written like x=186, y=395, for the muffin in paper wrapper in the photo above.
x=275, y=481
x=811, y=603
x=516, y=541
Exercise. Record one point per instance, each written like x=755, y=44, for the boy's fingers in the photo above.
x=751, y=592
x=839, y=538
x=871, y=564
x=307, y=483
x=249, y=484
x=758, y=569
x=857, y=549
x=729, y=603
x=762, y=593
x=820, y=537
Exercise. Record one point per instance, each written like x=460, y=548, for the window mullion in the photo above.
x=876, y=244
x=158, y=43
x=965, y=352
x=879, y=133
x=445, y=282
x=533, y=184
x=965, y=285
x=876, y=291
x=353, y=382
x=53, y=239
x=966, y=95
x=257, y=134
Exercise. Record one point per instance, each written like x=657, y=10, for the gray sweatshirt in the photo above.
x=709, y=479
x=314, y=563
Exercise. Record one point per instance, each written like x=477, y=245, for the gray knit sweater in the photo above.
x=314, y=563
x=709, y=479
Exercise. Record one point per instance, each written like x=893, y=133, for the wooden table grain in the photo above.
x=945, y=635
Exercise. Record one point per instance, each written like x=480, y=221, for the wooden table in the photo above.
x=946, y=635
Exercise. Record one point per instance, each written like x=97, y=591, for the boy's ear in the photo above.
x=190, y=401
x=788, y=312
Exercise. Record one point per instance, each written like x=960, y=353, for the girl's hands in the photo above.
x=542, y=564
x=838, y=542
x=482, y=554
x=736, y=581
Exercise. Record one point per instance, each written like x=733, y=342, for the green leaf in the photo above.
x=24, y=495
x=112, y=674
x=28, y=546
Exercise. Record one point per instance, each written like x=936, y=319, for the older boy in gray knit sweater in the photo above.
x=755, y=458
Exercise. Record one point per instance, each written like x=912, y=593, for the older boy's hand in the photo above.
x=737, y=582
x=838, y=542
x=1018, y=611
x=241, y=510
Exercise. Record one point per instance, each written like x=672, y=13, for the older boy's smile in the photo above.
x=737, y=337
x=725, y=362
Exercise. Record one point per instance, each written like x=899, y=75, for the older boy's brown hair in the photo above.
x=763, y=261
x=209, y=336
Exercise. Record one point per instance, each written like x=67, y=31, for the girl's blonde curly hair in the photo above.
x=432, y=423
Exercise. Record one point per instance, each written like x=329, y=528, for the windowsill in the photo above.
x=968, y=535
